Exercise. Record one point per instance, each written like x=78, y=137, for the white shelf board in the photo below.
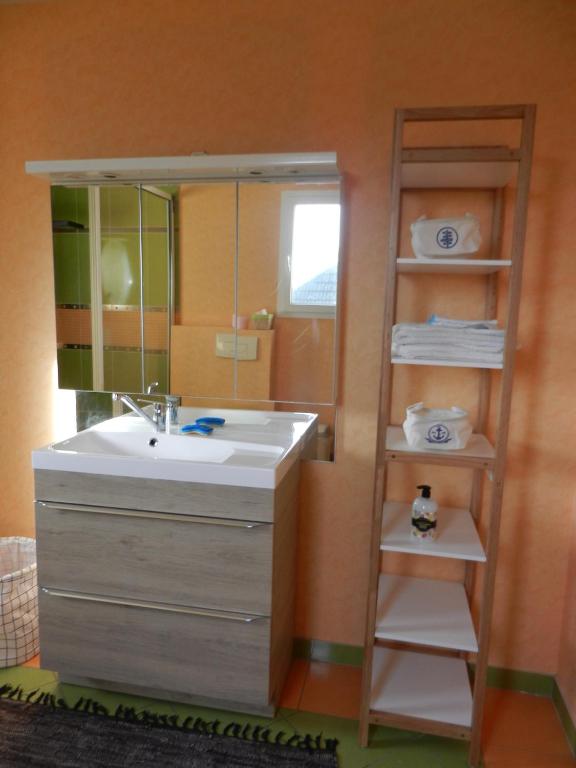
x=478, y=447
x=452, y=266
x=456, y=534
x=420, y=685
x=457, y=175
x=446, y=363
x=424, y=611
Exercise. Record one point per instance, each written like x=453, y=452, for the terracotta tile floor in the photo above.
x=520, y=730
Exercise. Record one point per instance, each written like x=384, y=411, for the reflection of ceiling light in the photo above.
x=116, y=272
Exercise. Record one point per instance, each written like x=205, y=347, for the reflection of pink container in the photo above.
x=240, y=322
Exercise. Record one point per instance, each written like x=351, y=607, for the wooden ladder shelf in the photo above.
x=420, y=635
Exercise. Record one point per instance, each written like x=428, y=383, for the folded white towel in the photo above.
x=426, y=334
x=445, y=339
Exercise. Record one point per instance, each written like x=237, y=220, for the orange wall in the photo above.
x=169, y=77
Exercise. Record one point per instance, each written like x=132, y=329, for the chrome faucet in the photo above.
x=164, y=415
x=127, y=400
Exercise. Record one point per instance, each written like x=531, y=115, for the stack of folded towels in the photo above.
x=443, y=339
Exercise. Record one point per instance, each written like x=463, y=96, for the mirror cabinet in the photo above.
x=213, y=278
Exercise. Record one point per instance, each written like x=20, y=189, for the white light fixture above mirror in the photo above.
x=302, y=165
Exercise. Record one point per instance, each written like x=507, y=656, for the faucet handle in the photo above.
x=158, y=410
x=152, y=387
x=172, y=404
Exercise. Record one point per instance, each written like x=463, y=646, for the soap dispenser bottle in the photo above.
x=424, y=511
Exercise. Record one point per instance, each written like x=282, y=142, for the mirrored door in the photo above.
x=113, y=261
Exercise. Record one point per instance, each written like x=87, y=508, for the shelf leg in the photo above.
x=363, y=732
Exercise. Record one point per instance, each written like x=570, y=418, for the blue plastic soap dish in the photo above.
x=198, y=429
x=211, y=421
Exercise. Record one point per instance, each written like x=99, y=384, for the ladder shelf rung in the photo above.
x=478, y=454
x=418, y=686
x=456, y=534
x=427, y=612
x=457, y=175
x=451, y=266
x=435, y=155
x=447, y=363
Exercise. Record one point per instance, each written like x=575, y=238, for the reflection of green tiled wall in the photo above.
x=155, y=268
x=71, y=249
x=121, y=250
x=120, y=247
x=72, y=267
x=155, y=250
x=122, y=370
x=156, y=369
x=119, y=207
x=70, y=204
x=74, y=368
x=153, y=210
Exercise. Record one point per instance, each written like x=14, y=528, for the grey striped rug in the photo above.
x=39, y=731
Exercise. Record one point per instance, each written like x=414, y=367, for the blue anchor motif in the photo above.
x=438, y=433
x=447, y=237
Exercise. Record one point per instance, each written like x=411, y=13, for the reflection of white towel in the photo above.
x=444, y=339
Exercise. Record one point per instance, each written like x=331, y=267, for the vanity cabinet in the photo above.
x=177, y=590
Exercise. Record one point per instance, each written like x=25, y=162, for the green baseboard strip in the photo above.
x=498, y=677
x=564, y=715
x=322, y=650
x=517, y=680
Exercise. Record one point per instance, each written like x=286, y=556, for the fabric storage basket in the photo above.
x=448, y=238
x=445, y=429
x=18, y=601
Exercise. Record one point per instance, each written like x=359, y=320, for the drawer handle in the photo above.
x=221, y=521
x=205, y=612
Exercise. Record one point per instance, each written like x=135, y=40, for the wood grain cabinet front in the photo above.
x=208, y=562
x=212, y=654
x=169, y=602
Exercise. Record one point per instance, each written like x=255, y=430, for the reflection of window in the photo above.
x=309, y=241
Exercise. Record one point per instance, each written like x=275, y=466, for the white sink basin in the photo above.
x=146, y=445
x=252, y=449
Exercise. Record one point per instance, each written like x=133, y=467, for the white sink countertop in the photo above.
x=253, y=448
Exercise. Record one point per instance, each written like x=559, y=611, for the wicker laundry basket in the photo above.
x=18, y=601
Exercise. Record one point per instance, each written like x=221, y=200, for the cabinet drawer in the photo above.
x=218, y=655
x=156, y=557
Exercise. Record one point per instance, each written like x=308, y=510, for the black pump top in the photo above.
x=425, y=491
